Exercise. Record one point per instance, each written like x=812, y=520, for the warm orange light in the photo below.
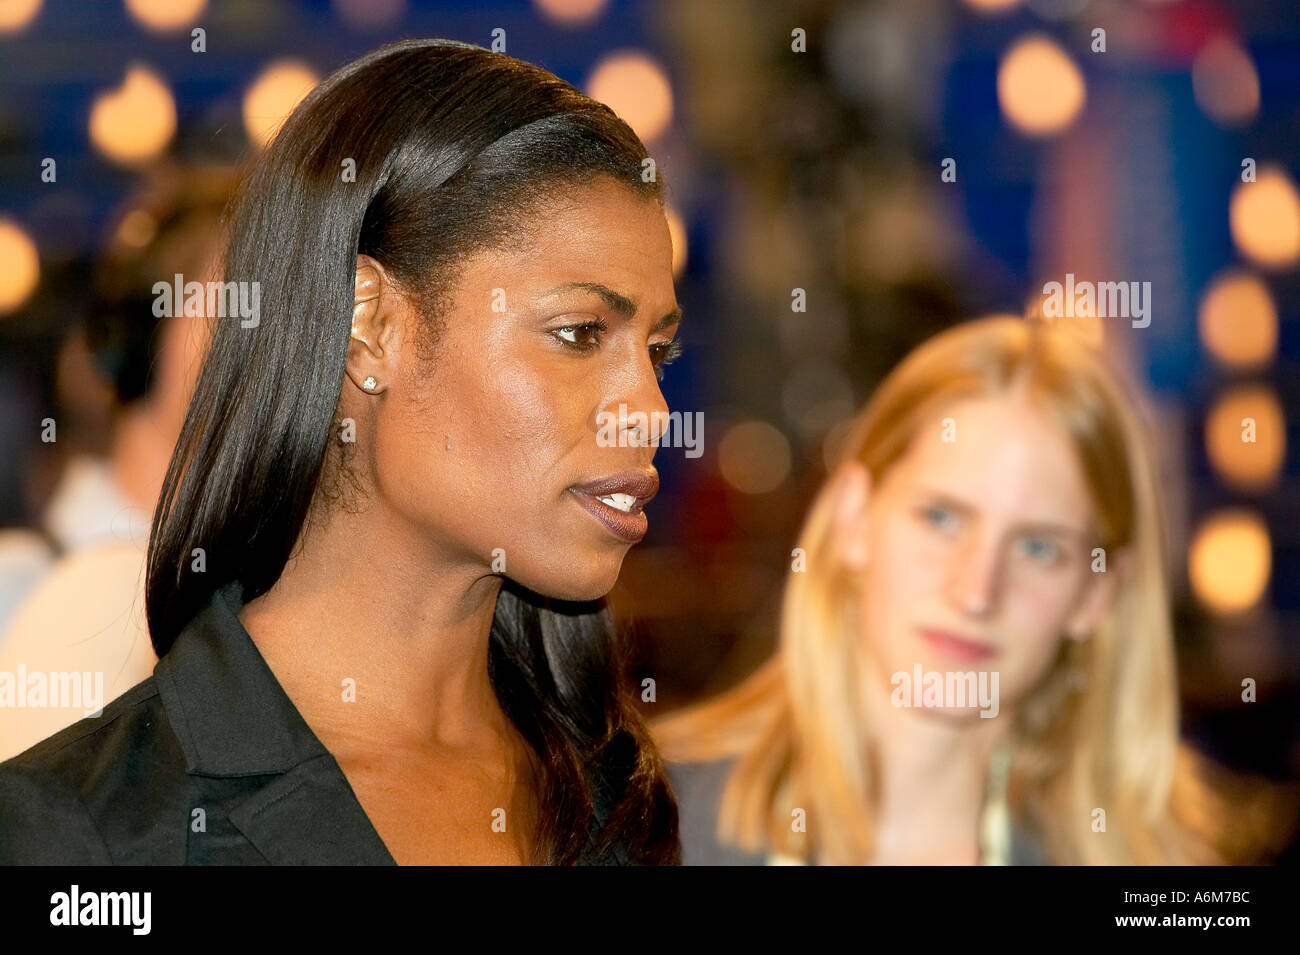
x=1264, y=217
x=992, y=6
x=570, y=12
x=754, y=457
x=137, y=229
x=16, y=14
x=273, y=96
x=636, y=88
x=1238, y=321
x=1230, y=561
x=137, y=120
x=1225, y=83
x=20, y=266
x=676, y=233
x=1039, y=87
x=163, y=15
x=1245, y=437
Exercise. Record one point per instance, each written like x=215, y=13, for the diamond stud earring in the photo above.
x=369, y=384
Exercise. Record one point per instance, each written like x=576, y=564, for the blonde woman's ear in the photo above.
x=851, y=490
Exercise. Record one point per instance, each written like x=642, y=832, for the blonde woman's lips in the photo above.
x=957, y=647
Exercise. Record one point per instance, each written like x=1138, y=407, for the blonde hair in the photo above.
x=796, y=727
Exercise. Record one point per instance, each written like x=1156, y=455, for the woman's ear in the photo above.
x=850, y=490
x=369, y=365
x=1107, y=573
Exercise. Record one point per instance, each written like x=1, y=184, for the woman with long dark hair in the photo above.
x=377, y=566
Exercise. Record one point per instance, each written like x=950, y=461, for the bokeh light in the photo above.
x=1225, y=83
x=1230, y=561
x=1255, y=464
x=1040, y=89
x=370, y=14
x=20, y=265
x=164, y=15
x=273, y=96
x=677, y=234
x=636, y=88
x=992, y=6
x=137, y=229
x=570, y=12
x=1264, y=217
x=754, y=457
x=16, y=14
x=1238, y=321
x=135, y=121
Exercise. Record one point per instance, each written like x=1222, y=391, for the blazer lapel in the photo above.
x=310, y=816
x=234, y=721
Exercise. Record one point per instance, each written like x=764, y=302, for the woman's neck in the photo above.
x=380, y=639
x=933, y=772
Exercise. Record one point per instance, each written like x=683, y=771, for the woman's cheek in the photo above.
x=897, y=585
x=1034, y=632
x=912, y=561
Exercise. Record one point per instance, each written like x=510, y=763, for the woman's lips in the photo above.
x=958, y=647
x=631, y=489
x=630, y=527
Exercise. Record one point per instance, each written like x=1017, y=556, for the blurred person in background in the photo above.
x=84, y=610
x=996, y=512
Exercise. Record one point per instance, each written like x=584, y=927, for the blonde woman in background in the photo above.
x=995, y=511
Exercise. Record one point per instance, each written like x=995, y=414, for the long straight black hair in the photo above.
x=418, y=154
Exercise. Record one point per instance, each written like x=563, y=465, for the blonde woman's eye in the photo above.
x=1040, y=549
x=940, y=518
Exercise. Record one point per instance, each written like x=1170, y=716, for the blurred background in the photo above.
x=893, y=166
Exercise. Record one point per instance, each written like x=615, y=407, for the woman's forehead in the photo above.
x=999, y=452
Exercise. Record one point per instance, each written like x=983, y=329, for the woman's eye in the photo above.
x=1040, y=549
x=584, y=336
x=941, y=518
x=663, y=353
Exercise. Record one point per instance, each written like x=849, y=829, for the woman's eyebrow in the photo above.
x=1061, y=530
x=618, y=303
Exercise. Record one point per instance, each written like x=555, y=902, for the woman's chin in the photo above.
x=572, y=577
x=592, y=585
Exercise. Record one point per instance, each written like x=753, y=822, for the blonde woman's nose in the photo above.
x=975, y=575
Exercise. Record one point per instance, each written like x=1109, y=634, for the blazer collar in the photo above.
x=227, y=708
x=233, y=719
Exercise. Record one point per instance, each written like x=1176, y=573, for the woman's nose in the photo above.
x=975, y=576
x=635, y=408
x=645, y=398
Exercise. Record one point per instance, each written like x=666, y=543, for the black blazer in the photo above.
x=206, y=762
